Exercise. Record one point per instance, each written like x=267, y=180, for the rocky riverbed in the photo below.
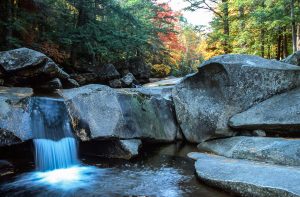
x=242, y=110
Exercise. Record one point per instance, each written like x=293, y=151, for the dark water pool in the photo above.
x=159, y=171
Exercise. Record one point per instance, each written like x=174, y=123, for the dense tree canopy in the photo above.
x=269, y=28
x=95, y=32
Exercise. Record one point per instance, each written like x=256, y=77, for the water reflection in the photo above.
x=91, y=181
x=164, y=171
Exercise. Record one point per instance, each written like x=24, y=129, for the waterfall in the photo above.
x=55, y=146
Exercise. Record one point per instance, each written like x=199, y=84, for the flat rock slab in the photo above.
x=248, y=178
x=98, y=111
x=266, y=149
x=278, y=113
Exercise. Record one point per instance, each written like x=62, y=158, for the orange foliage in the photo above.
x=53, y=51
x=168, y=19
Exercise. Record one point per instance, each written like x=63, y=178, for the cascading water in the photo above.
x=55, y=146
x=59, y=172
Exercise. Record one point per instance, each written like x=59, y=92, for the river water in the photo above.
x=161, y=170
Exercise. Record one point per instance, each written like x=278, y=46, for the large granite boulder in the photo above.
x=98, y=111
x=26, y=67
x=224, y=86
x=248, y=178
x=265, y=149
x=279, y=114
x=14, y=115
x=293, y=59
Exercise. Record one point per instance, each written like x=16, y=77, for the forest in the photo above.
x=80, y=33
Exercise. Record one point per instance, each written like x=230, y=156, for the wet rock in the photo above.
x=128, y=80
x=260, y=133
x=70, y=83
x=132, y=146
x=26, y=67
x=194, y=155
x=8, y=138
x=98, y=111
x=248, y=178
x=265, y=149
x=52, y=84
x=115, y=149
x=293, y=59
x=5, y=168
x=116, y=83
x=107, y=72
x=224, y=86
x=281, y=113
x=14, y=115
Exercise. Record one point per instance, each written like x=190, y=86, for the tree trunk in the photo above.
x=269, y=51
x=226, y=26
x=262, y=40
x=298, y=36
x=278, y=52
x=285, y=45
x=294, y=38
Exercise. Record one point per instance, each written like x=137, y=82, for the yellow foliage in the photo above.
x=161, y=70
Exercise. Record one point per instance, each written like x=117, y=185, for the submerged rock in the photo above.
x=8, y=138
x=26, y=67
x=5, y=168
x=98, y=111
x=281, y=113
x=115, y=149
x=265, y=149
x=224, y=86
x=248, y=178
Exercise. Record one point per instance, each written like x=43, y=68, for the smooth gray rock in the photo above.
x=248, y=178
x=132, y=146
x=98, y=111
x=194, y=155
x=128, y=80
x=164, y=82
x=293, y=59
x=21, y=58
x=224, y=86
x=14, y=115
x=26, y=67
x=281, y=113
x=265, y=149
